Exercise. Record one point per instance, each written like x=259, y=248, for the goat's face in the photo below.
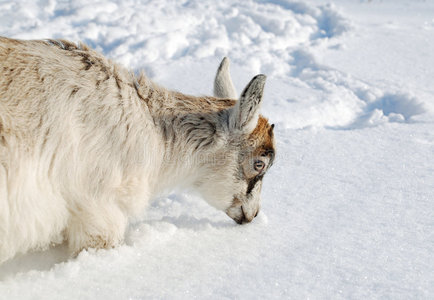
x=255, y=157
x=233, y=180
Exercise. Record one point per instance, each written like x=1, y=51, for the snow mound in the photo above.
x=339, y=100
x=257, y=34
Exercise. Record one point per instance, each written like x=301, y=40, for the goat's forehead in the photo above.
x=262, y=136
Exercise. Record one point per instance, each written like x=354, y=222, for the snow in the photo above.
x=347, y=208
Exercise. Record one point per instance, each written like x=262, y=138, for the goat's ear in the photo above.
x=245, y=113
x=223, y=86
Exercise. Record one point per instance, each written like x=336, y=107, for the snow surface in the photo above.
x=348, y=208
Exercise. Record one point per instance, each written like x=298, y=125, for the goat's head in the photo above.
x=234, y=184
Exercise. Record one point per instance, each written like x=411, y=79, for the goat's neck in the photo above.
x=191, y=130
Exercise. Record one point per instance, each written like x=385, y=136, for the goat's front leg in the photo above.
x=96, y=226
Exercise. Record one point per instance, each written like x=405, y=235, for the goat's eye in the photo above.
x=259, y=165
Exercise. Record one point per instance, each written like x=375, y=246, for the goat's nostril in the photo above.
x=257, y=212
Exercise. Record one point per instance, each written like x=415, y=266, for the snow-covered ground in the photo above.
x=348, y=207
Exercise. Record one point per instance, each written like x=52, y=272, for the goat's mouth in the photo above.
x=238, y=215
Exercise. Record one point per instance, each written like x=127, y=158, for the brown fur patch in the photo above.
x=2, y=138
x=202, y=104
x=262, y=137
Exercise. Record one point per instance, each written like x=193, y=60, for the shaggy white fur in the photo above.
x=84, y=144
